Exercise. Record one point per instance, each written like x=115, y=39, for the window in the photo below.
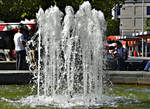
x=118, y=11
x=148, y=10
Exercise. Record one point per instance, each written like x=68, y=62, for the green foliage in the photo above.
x=1, y=2
x=112, y=27
x=16, y=10
x=105, y=6
x=147, y=28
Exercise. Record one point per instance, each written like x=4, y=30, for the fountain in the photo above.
x=70, y=65
x=70, y=55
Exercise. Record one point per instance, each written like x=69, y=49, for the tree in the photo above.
x=112, y=27
x=16, y=10
x=106, y=6
x=147, y=28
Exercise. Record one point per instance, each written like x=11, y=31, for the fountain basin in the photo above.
x=15, y=77
x=116, y=77
x=120, y=97
x=129, y=77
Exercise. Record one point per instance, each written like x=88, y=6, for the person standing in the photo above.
x=120, y=56
x=20, y=49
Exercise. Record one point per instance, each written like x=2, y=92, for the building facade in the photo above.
x=134, y=16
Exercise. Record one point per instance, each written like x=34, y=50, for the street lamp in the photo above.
x=142, y=16
x=142, y=27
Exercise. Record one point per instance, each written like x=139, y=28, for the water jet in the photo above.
x=70, y=64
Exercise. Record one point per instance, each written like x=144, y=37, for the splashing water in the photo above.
x=70, y=56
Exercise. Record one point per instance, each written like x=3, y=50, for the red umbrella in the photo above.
x=112, y=38
x=2, y=26
x=14, y=26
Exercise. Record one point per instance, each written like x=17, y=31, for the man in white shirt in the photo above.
x=20, y=49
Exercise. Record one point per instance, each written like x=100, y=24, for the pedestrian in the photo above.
x=120, y=55
x=20, y=44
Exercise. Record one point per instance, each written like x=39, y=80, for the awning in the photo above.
x=144, y=35
x=112, y=38
x=128, y=38
x=14, y=26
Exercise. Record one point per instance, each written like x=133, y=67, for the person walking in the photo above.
x=20, y=44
